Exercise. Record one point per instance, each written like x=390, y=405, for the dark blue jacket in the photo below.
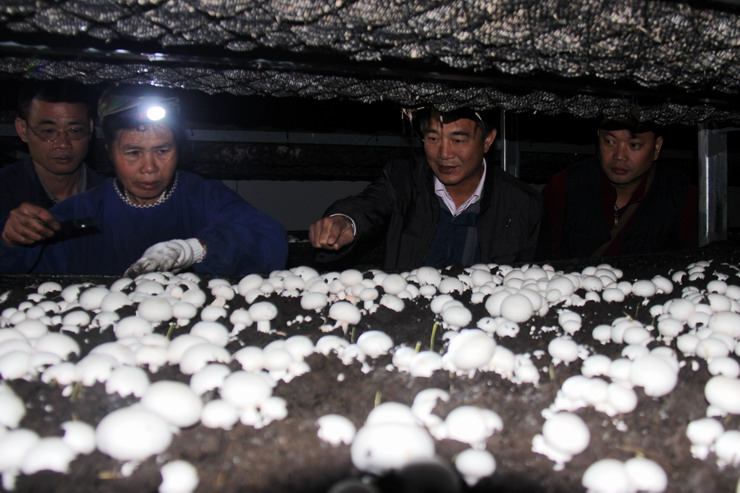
x=239, y=238
x=19, y=183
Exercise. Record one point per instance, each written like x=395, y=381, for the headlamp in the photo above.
x=155, y=112
x=148, y=109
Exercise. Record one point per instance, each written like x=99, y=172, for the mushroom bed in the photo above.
x=619, y=377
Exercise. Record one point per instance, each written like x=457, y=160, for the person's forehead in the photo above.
x=624, y=134
x=147, y=134
x=465, y=125
x=53, y=110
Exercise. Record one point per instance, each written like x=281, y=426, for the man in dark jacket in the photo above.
x=54, y=120
x=451, y=209
x=623, y=202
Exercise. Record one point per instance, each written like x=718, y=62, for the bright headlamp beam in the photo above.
x=156, y=113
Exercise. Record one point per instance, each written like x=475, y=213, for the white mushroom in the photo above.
x=470, y=349
x=727, y=448
x=563, y=349
x=219, y=414
x=213, y=312
x=12, y=407
x=336, y=429
x=655, y=374
x=394, y=283
x=564, y=435
x=374, y=343
x=456, y=316
x=723, y=394
x=133, y=433
x=209, y=378
x=127, y=380
x=14, y=445
x=702, y=433
x=213, y=332
x=178, y=476
x=173, y=401
x=473, y=465
x=472, y=425
x=383, y=447
x=517, y=308
x=79, y=436
x=48, y=454
x=262, y=312
x=646, y=475
x=49, y=287
x=33, y=329
x=392, y=302
x=425, y=363
x=245, y=390
x=132, y=326
x=607, y=476
x=314, y=301
x=428, y=276
x=345, y=314
x=114, y=300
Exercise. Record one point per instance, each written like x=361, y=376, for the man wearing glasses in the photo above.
x=55, y=122
x=448, y=209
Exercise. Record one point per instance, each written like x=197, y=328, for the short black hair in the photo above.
x=631, y=124
x=430, y=113
x=56, y=91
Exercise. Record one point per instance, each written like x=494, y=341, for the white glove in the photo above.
x=173, y=256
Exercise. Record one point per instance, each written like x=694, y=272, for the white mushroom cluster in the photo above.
x=229, y=384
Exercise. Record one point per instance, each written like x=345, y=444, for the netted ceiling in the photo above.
x=678, y=61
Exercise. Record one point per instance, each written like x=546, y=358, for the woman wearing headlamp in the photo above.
x=152, y=216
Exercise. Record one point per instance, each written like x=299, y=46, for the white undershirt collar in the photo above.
x=441, y=192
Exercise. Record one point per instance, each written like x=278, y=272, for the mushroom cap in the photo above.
x=178, y=476
x=12, y=407
x=48, y=454
x=475, y=464
x=378, y=448
x=566, y=432
x=472, y=425
x=655, y=374
x=132, y=326
x=13, y=447
x=517, y=308
x=723, y=393
x=336, y=429
x=133, y=433
x=607, y=476
x=456, y=315
x=375, y=343
x=470, y=349
x=79, y=436
x=243, y=389
x=428, y=276
x=344, y=311
x=173, y=401
x=263, y=311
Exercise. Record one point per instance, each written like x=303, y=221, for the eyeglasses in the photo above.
x=51, y=135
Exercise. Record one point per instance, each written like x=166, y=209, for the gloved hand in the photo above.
x=173, y=256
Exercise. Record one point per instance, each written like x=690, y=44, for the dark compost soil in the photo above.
x=287, y=455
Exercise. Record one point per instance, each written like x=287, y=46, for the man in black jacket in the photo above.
x=622, y=202
x=451, y=209
x=55, y=122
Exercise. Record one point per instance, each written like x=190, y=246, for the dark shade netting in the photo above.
x=679, y=61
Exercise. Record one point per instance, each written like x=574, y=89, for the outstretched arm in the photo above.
x=332, y=233
x=28, y=224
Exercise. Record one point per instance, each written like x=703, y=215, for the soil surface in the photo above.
x=287, y=455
